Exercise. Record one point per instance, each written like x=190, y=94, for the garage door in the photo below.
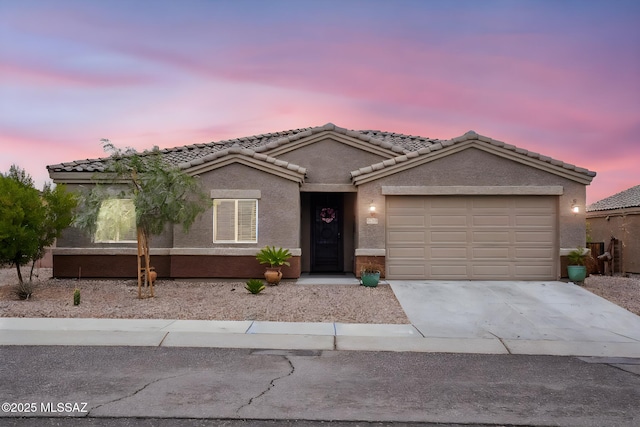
x=471, y=237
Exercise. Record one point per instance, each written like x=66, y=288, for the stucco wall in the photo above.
x=75, y=238
x=473, y=167
x=278, y=209
x=623, y=224
x=329, y=161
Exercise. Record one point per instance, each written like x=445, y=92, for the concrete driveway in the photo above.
x=527, y=317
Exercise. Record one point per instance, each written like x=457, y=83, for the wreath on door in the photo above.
x=328, y=215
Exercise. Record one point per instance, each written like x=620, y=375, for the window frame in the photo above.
x=236, y=220
x=98, y=220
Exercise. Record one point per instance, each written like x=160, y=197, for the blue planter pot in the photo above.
x=370, y=279
x=577, y=273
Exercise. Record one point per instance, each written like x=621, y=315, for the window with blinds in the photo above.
x=235, y=220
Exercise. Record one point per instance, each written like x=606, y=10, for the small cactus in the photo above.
x=76, y=297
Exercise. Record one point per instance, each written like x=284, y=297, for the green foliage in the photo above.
x=76, y=297
x=255, y=286
x=370, y=268
x=274, y=257
x=578, y=256
x=161, y=193
x=30, y=221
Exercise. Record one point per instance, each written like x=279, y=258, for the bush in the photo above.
x=255, y=286
x=24, y=290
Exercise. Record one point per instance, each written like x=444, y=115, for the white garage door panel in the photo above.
x=406, y=221
x=490, y=253
x=472, y=237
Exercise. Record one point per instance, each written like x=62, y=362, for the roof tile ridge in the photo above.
x=472, y=135
x=246, y=152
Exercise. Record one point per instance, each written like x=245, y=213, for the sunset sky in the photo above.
x=557, y=77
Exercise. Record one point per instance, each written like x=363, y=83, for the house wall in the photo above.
x=472, y=167
x=73, y=237
x=278, y=209
x=329, y=161
x=623, y=224
x=193, y=254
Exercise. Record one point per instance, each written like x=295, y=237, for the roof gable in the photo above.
x=629, y=198
x=246, y=157
x=470, y=140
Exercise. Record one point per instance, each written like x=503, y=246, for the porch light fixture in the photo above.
x=574, y=207
x=372, y=209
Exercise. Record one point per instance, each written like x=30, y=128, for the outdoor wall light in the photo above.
x=574, y=207
x=372, y=209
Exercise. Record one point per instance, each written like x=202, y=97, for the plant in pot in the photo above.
x=276, y=258
x=370, y=275
x=576, y=269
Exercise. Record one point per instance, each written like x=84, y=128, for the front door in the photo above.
x=326, y=233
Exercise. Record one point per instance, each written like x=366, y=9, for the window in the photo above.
x=235, y=220
x=116, y=221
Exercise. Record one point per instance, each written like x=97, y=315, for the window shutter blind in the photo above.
x=225, y=220
x=247, y=220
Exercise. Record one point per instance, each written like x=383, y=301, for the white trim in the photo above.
x=236, y=194
x=107, y=251
x=471, y=190
x=371, y=252
x=566, y=251
x=328, y=188
x=167, y=251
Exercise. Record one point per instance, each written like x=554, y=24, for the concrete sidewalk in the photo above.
x=281, y=335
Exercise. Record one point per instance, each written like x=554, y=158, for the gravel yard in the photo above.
x=221, y=300
x=228, y=300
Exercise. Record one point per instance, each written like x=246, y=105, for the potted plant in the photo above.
x=576, y=269
x=276, y=258
x=370, y=275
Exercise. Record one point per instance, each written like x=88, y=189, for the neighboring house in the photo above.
x=618, y=216
x=466, y=208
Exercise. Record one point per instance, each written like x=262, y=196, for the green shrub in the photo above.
x=578, y=256
x=274, y=257
x=76, y=297
x=255, y=286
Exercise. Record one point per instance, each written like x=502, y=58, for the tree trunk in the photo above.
x=19, y=272
x=144, y=272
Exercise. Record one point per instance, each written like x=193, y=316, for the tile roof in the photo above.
x=435, y=145
x=628, y=198
x=405, y=146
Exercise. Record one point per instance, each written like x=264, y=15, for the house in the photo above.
x=618, y=217
x=465, y=208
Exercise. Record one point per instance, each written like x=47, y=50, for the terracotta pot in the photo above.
x=152, y=276
x=273, y=275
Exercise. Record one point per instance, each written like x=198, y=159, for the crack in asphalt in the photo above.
x=270, y=386
x=88, y=414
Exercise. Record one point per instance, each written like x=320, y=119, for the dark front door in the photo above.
x=326, y=233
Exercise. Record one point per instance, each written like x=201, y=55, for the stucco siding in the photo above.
x=329, y=161
x=73, y=237
x=278, y=209
x=474, y=167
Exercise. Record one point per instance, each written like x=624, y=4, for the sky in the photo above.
x=557, y=77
